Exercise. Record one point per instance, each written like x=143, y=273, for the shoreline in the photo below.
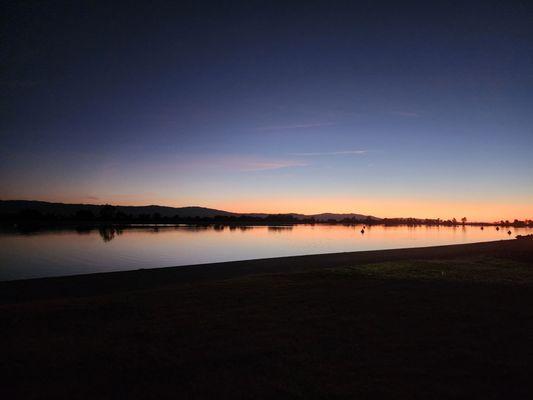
x=22, y=225
x=149, y=278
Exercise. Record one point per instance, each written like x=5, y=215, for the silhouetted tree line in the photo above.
x=110, y=214
x=419, y=221
x=516, y=223
x=452, y=222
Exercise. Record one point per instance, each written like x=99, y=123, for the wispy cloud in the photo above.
x=331, y=153
x=295, y=126
x=409, y=114
x=251, y=165
x=241, y=163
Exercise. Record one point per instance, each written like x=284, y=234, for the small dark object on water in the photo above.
x=509, y=232
x=525, y=237
x=362, y=231
x=482, y=228
x=497, y=228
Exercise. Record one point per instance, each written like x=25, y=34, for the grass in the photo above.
x=474, y=269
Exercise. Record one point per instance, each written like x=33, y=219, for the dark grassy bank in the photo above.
x=441, y=322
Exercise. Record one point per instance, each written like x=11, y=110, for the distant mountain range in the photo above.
x=12, y=207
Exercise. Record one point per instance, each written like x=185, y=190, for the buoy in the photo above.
x=481, y=228
x=509, y=232
x=497, y=228
x=362, y=231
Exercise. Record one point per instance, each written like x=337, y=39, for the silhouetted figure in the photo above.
x=509, y=232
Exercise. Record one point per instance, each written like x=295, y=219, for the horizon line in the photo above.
x=272, y=213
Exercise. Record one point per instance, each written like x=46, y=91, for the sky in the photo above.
x=394, y=109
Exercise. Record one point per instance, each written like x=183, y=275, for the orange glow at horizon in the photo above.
x=482, y=210
x=387, y=208
x=486, y=211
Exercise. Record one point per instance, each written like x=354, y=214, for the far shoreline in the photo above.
x=72, y=224
x=83, y=226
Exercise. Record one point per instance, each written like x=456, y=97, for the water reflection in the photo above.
x=279, y=229
x=83, y=230
x=53, y=251
x=108, y=233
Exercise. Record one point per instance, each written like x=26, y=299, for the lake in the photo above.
x=68, y=252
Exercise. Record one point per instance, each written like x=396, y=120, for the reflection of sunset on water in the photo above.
x=109, y=249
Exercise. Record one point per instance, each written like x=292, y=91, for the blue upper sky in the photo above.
x=390, y=108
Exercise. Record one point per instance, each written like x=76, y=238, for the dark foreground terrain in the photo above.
x=443, y=322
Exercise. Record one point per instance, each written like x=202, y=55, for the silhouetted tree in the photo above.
x=107, y=212
x=122, y=216
x=30, y=215
x=144, y=217
x=84, y=215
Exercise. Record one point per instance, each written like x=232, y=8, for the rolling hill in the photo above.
x=14, y=207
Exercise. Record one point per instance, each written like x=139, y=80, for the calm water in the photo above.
x=70, y=252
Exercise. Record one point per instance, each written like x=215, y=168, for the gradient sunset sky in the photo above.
x=384, y=108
